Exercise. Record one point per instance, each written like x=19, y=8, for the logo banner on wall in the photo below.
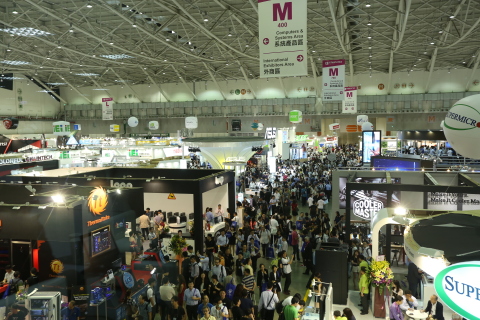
x=350, y=102
x=333, y=79
x=334, y=126
x=282, y=30
x=365, y=203
x=107, y=108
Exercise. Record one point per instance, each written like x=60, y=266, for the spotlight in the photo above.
x=58, y=198
x=400, y=211
x=119, y=191
x=368, y=5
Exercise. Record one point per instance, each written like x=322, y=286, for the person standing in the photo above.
x=144, y=224
x=191, y=298
x=8, y=274
x=264, y=240
x=166, y=294
x=308, y=255
x=158, y=219
x=287, y=270
x=151, y=294
x=364, y=290
x=290, y=312
x=295, y=238
x=176, y=312
x=414, y=278
x=268, y=301
x=144, y=309
x=69, y=313
x=222, y=241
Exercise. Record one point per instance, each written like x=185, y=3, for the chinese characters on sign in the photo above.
x=350, y=102
x=107, y=108
x=282, y=38
x=333, y=79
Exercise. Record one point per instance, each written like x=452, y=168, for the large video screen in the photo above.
x=101, y=240
x=365, y=203
x=371, y=145
x=392, y=164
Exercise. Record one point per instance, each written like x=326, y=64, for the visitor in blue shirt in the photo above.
x=71, y=312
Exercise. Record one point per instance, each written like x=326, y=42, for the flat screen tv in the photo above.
x=101, y=240
x=371, y=145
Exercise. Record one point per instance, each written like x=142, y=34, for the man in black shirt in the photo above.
x=237, y=312
x=210, y=247
x=32, y=281
x=18, y=313
x=186, y=266
x=176, y=312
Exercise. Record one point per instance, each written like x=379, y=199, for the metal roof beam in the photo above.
x=74, y=88
x=184, y=83
x=248, y=81
x=49, y=89
x=155, y=83
x=100, y=87
x=214, y=80
x=283, y=87
x=429, y=180
x=467, y=180
x=126, y=83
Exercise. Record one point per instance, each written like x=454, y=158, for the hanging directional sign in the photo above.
x=333, y=79
x=282, y=38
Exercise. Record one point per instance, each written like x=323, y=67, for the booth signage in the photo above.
x=107, y=108
x=350, y=101
x=270, y=133
x=56, y=266
x=459, y=287
x=11, y=160
x=450, y=201
x=98, y=200
x=366, y=203
x=120, y=184
x=171, y=196
x=39, y=158
x=302, y=137
x=282, y=30
x=333, y=79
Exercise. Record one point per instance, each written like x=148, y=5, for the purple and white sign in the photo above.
x=282, y=35
x=349, y=105
x=333, y=80
x=107, y=108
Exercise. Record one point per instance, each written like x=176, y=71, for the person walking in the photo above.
x=191, y=297
x=267, y=303
x=287, y=270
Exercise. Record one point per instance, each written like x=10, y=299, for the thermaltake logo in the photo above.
x=462, y=117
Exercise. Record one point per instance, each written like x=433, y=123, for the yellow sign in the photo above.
x=56, y=266
x=97, y=200
x=171, y=196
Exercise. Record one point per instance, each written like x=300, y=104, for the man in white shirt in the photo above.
x=310, y=201
x=288, y=300
x=218, y=214
x=8, y=274
x=320, y=204
x=151, y=294
x=409, y=301
x=222, y=241
x=166, y=294
x=273, y=229
x=219, y=271
x=268, y=301
x=219, y=310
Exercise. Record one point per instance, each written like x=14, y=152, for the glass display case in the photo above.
x=44, y=305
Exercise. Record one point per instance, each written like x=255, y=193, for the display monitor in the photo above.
x=393, y=164
x=101, y=240
x=371, y=144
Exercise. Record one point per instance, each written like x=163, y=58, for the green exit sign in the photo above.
x=133, y=153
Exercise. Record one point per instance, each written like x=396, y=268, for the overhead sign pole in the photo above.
x=282, y=38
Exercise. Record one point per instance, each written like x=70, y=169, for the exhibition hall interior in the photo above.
x=261, y=159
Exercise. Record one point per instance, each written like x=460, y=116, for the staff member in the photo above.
x=363, y=285
x=191, y=297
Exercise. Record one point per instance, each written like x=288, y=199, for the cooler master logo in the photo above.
x=466, y=122
x=366, y=208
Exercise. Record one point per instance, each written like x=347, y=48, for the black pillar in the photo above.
x=199, y=235
x=231, y=195
x=348, y=204
x=388, y=236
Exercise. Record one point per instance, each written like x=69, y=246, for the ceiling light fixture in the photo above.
x=134, y=25
x=369, y=23
x=368, y=5
x=15, y=11
x=452, y=17
x=89, y=5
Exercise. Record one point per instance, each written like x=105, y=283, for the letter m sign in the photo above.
x=282, y=13
x=333, y=72
x=349, y=94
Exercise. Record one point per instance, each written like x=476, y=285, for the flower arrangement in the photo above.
x=191, y=227
x=380, y=274
x=178, y=245
x=21, y=296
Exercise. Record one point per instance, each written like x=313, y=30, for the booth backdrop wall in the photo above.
x=215, y=197
x=182, y=203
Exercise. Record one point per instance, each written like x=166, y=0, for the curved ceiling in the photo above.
x=100, y=43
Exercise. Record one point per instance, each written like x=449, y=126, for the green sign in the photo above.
x=64, y=155
x=295, y=116
x=133, y=153
x=301, y=137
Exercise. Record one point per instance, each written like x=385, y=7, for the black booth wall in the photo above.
x=333, y=267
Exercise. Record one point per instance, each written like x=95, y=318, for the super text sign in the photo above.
x=282, y=38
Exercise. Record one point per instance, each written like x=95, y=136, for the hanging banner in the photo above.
x=107, y=108
x=282, y=38
x=334, y=126
x=333, y=79
x=350, y=102
x=361, y=119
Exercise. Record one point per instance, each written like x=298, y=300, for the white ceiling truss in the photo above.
x=183, y=41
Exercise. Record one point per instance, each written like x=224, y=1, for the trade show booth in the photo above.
x=74, y=236
x=171, y=190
